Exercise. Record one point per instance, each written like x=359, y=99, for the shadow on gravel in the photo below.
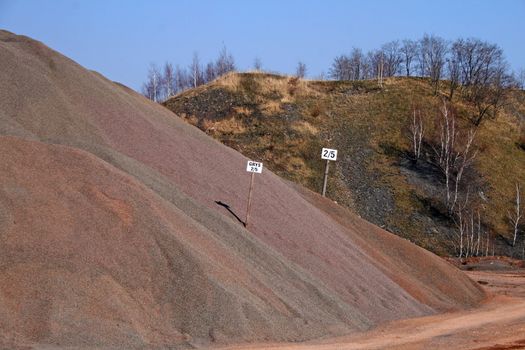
x=224, y=205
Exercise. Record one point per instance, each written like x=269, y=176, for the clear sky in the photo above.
x=120, y=38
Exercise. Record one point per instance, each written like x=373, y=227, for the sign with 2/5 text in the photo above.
x=254, y=167
x=329, y=154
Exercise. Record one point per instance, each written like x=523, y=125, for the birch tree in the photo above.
x=416, y=133
x=445, y=154
x=168, y=80
x=461, y=220
x=151, y=88
x=463, y=159
x=356, y=64
x=516, y=215
x=196, y=71
x=452, y=159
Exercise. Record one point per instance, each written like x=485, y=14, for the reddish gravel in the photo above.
x=110, y=234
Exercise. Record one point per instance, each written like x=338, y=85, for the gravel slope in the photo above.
x=111, y=235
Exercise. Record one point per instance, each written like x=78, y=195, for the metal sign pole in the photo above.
x=249, y=201
x=325, y=176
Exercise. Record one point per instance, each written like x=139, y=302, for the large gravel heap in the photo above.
x=110, y=234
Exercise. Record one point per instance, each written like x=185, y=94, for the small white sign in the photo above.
x=328, y=153
x=254, y=167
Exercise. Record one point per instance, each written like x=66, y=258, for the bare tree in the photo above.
x=468, y=238
x=478, y=244
x=433, y=50
x=196, y=71
x=367, y=69
x=409, y=52
x=490, y=96
x=452, y=159
x=380, y=68
x=483, y=74
x=474, y=235
x=152, y=87
x=516, y=215
x=182, y=81
x=520, y=78
x=392, y=58
x=461, y=220
x=210, y=74
x=463, y=160
x=376, y=62
x=454, y=70
x=225, y=62
x=446, y=154
x=356, y=64
x=488, y=245
x=168, y=80
x=300, y=71
x=257, y=64
x=416, y=132
x=341, y=68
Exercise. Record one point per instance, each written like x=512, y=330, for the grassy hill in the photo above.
x=285, y=122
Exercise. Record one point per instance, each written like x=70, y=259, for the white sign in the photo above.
x=254, y=167
x=328, y=153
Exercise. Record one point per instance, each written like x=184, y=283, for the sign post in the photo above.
x=328, y=154
x=251, y=167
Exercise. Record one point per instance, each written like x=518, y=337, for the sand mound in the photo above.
x=110, y=232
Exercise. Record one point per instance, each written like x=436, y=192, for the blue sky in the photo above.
x=120, y=38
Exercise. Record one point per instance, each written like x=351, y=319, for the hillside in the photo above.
x=111, y=235
x=285, y=122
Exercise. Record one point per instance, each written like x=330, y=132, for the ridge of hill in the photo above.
x=284, y=122
x=111, y=236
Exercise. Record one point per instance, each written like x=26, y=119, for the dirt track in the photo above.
x=498, y=324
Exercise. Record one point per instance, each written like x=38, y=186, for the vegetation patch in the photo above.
x=285, y=122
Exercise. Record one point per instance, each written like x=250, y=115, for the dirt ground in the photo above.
x=499, y=323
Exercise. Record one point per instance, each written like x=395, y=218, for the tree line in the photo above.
x=164, y=83
x=477, y=69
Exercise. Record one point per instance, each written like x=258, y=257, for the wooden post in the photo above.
x=249, y=201
x=325, y=176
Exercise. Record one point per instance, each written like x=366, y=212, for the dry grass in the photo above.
x=271, y=107
x=286, y=88
x=243, y=111
x=304, y=128
x=230, y=80
x=190, y=119
x=229, y=126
